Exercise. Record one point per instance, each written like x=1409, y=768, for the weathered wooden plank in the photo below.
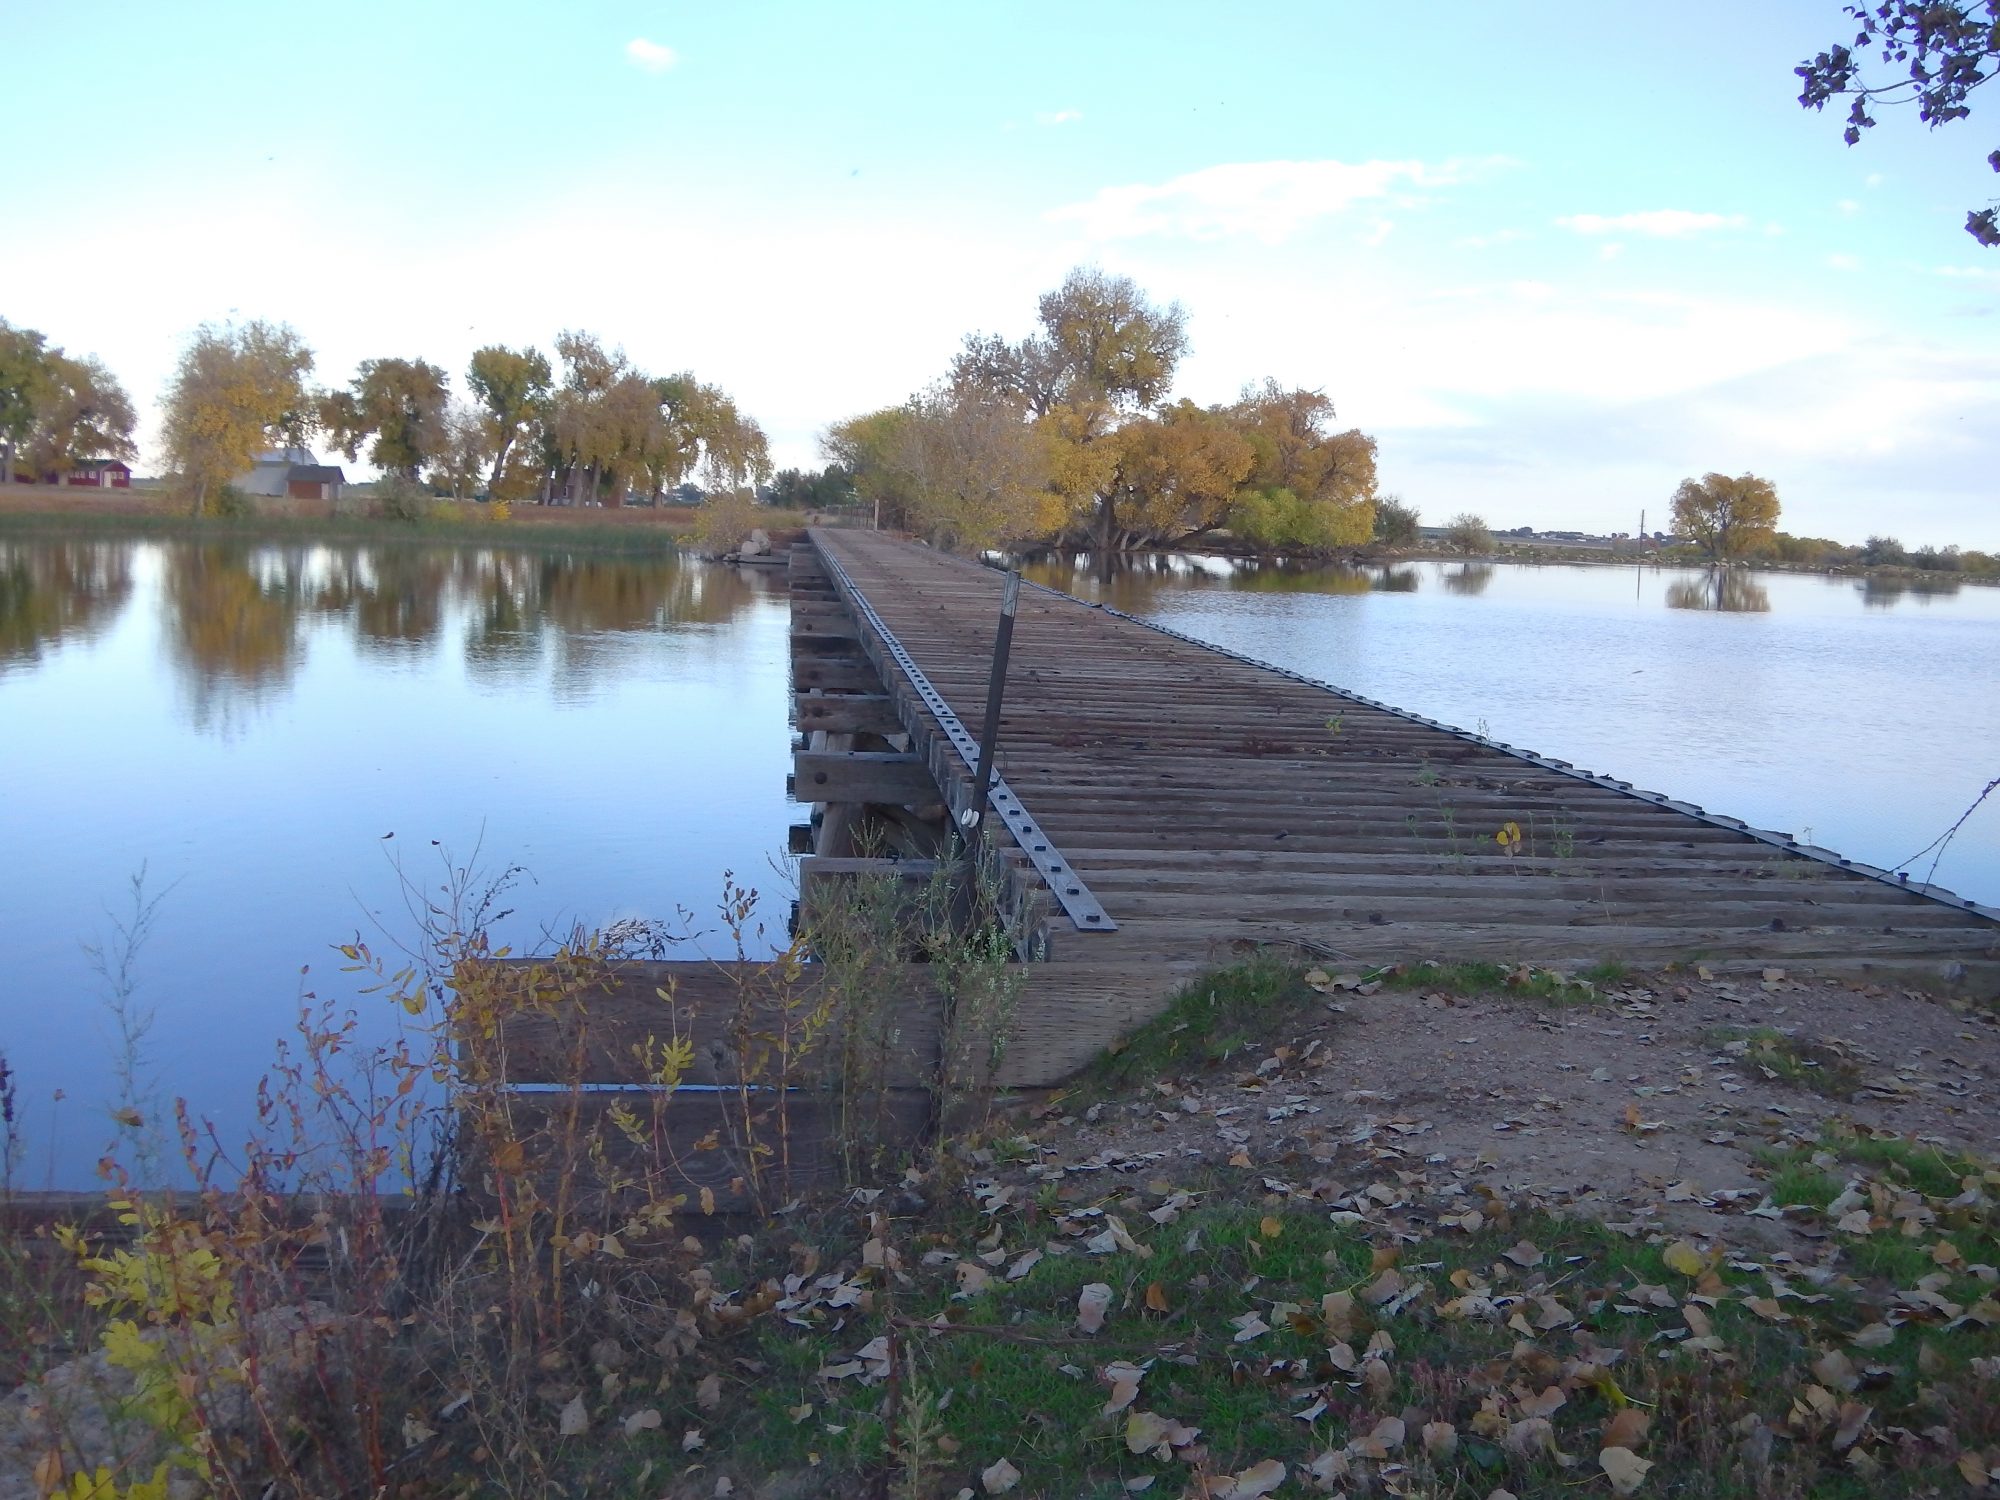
x=862, y=776
x=836, y=674
x=851, y=713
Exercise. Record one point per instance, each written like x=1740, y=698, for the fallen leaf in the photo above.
x=1148, y=1432
x=692, y=1441
x=1270, y=1227
x=1682, y=1257
x=1853, y=1418
x=1156, y=1298
x=1091, y=1305
x=999, y=1478
x=1440, y=1440
x=1124, y=1380
x=1527, y=1254
x=574, y=1419
x=708, y=1395
x=1258, y=1479
x=1835, y=1369
x=1383, y=1287
x=1627, y=1429
x=1624, y=1468
x=641, y=1421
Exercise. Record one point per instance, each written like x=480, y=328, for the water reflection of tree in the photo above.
x=232, y=632
x=55, y=591
x=1135, y=581
x=1469, y=579
x=1730, y=590
x=1883, y=592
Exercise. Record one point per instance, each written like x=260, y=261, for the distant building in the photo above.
x=90, y=473
x=293, y=473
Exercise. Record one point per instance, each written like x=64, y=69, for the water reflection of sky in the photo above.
x=1863, y=712
x=249, y=723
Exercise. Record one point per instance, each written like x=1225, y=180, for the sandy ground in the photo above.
x=1628, y=1107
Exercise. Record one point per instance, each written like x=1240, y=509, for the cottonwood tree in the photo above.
x=1728, y=518
x=234, y=391
x=57, y=411
x=512, y=389
x=1177, y=476
x=400, y=403
x=1396, y=522
x=967, y=471
x=24, y=379
x=1468, y=533
x=461, y=456
x=1946, y=49
x=1103, y=355
x=1308, y=486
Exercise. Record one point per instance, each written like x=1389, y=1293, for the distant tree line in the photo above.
x=1069, y=437
x=589, y=428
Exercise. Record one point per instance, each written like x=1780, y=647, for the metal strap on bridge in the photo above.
x=1068, y=887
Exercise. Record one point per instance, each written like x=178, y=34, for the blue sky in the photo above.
x=1556, y=257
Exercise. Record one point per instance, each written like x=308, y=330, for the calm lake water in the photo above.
x=1862, y=715
x=249, y=724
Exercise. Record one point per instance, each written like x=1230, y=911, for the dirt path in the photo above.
x=1638, y=1106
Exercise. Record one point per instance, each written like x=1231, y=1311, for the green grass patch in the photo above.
x=1818, y=1067
x=441, y=528
x=1209, y=1021
x=1478, y=1332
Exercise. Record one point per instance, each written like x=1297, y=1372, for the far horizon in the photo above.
x=1538, y=322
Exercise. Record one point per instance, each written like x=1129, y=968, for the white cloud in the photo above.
x=1848, y=206
x=1968, y=273
x=1841, y=261
x=1497, y=237
x=1267, y=200
x=1660, y=223
x=1059, y=117
x=649, y=57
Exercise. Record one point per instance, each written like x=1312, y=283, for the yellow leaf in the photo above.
x=1682, y=1257
x=1271, y=1228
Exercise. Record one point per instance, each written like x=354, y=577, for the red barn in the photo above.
x=100, y=473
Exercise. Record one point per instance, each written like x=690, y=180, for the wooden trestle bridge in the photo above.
x=1161, y=806
x=1166, y=803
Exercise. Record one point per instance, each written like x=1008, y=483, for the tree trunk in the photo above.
x=499, y=463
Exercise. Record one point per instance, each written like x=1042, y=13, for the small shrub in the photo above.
x=401, y=499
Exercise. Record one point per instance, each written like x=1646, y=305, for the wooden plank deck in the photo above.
x=1209, y=802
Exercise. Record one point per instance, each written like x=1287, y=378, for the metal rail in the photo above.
x=1784, y=841
x=1065, y=884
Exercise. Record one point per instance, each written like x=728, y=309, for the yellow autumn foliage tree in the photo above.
x=234, y=392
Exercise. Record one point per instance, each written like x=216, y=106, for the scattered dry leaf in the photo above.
x=1091, y=1305
x=1624, y=1468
